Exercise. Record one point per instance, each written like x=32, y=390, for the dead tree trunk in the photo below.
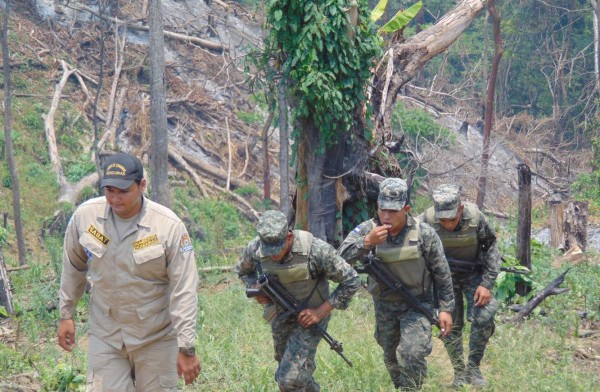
x=524, y=224
x=408, y=57
x=14, y=175
x=549, y=290
x=489, y=103
x=159, y=156
x=5, y=295
x=555, y=223
x=575, y=225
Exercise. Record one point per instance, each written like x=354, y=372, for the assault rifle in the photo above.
x=389, y=284
x=271, y=287
x=457, y=265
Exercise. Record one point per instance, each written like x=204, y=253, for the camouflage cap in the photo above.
x=446, y=201
x=392, y=194
x=272, y=230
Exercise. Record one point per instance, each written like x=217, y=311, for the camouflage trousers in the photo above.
x=405, y=336
x=295, y=350
x=481, y=319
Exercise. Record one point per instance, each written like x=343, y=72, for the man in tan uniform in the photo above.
x=143, y=302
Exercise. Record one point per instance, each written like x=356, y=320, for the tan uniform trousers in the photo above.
x=152, y=367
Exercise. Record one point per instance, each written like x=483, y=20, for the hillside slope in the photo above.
x=215, y=123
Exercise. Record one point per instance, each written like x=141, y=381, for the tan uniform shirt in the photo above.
x=143, y=286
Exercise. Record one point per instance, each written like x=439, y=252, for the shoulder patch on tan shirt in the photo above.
x=186, y=243
x=146, y=242
x=98, y=235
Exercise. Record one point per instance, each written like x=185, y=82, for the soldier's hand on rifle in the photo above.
x=308, y=317
x=377, y=235
x=482, y=296
x=445, y=319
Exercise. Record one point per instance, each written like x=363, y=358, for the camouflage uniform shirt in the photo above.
x=430, y=246
x=489, y=256
x=323, y=261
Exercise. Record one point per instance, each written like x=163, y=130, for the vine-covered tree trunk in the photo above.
x=330, y=99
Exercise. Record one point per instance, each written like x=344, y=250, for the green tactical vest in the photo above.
x=462, y=244
x=294, y=274
x=406, y=263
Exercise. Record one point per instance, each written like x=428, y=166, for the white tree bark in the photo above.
x=411, y=55
x=596, y=19
x=49, y=125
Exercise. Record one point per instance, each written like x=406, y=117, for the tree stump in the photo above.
x=524, y=224
x=555, y=223
x=575, y=225
x=568, y=224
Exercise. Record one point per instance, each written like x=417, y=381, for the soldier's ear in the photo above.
x=143, y=184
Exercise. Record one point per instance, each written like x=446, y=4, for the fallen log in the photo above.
x=580, y=313
x=135, y=26
x=222, y=268
x=551, y=289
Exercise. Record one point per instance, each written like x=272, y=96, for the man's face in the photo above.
x=395, y=219
x=125, y=202
x=450, y=224
x=285, y=250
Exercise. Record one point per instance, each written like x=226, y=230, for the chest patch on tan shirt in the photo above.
x=98, y=235
x=146, y=242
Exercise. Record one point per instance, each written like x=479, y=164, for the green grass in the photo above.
x=237, y=352
x=236, y=348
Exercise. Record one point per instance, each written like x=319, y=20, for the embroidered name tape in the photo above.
x=98, y=235
x=146, y=242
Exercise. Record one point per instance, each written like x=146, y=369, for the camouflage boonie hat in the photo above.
x=392, y=194
x=446, y=201
x=272, y=230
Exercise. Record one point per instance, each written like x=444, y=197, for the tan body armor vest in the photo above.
x=294, y=274
x=406, y=263
x=462, y=244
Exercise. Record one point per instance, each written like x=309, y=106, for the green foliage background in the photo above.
x=328, y=72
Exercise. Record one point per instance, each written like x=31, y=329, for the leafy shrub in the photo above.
x=417, y=123
x=65, y=377
x=87, y=193
x=75, y=171
x=7, y=181
x=247, y=190
x=249, y=117
x=33, y=121
x=3, y=236
x=587, y=186
x=506, y=283
x=215, y=222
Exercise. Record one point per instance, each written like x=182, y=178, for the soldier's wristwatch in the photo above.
x=189, y=351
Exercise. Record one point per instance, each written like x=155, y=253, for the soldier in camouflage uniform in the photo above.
x=303, y=265
x=467, y=236
x=414, y=253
